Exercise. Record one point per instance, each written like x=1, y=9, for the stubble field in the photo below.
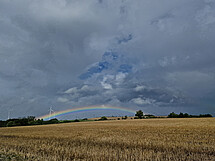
x=148, y=139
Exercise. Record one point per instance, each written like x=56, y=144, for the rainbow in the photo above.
x=84, y=109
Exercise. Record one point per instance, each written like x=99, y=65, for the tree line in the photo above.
x=31, y=120
x=186, y=115
x=26, y=121
x=139, y=115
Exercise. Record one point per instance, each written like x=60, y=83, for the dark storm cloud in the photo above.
x=165, y=55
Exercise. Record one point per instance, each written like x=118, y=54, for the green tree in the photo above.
x=173, y=115
x=11, y=123
x=31, y=118
x=103, y=118
x=186, y=115
x=3, y=123
x=139, y=114
x=181, y=115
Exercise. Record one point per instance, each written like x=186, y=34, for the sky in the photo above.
x=153, y=55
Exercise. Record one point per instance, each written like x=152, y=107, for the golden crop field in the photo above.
x=147, y=139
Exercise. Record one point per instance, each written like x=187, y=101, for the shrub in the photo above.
x=11, y=123
x=103, y=118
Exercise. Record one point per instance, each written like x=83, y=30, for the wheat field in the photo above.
x=147, y=139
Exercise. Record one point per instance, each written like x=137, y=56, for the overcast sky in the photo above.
x=153, y=55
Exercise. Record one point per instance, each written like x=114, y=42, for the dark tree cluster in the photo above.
x=186, y=115
x=31, y=120
x=139, y=115
x=103, y=118
x=26, y=121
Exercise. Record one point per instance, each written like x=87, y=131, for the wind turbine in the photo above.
x=8, y=113
x=50, y=112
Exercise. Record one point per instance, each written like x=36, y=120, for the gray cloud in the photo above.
x=53, y=53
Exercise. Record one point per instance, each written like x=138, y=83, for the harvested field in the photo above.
x=147, y=139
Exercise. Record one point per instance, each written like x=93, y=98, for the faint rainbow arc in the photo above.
x=84, y=109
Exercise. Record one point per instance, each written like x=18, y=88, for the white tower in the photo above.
x=50, y=112
x=8, y=114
